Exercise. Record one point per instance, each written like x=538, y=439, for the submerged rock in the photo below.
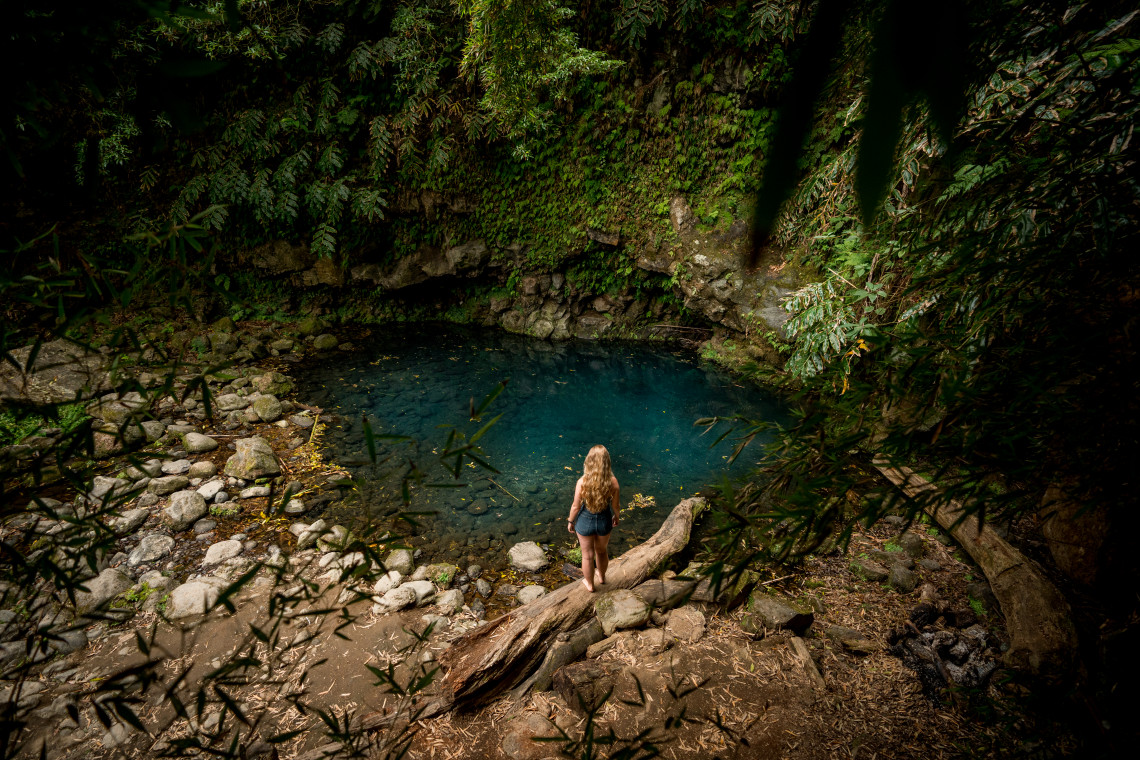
x=528, y=556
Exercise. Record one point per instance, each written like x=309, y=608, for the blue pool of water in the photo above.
x=560, y=399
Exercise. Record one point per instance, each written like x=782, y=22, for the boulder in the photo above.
x=101, y=589
x=129, y=521
x=211, y=488
x=153, y=430
x=851, y=640
x=450, y=602
x=267, y=408
x=686, y=623
x=401, y=561
x=326, y=342
x=196, y=443
x=185, y=507
x=396, y=599
x=202, y=470
x=254, y=459
x=230, y=402
x=387, y=582
x=194, y=598
x=582, y=685
x=424, y=590
x=524, y=732
x=528, y=556
x=310, y=326
x=776, y=615
x=902, y=579
x=222, y=551
x=528, y=594
x=621, y=609
x=176, y=467
x=869, y=570
x=150, y=549
x=168, y=484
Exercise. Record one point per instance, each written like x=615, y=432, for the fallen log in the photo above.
x=1043, y=640
x=482, y=664
x=493, y=658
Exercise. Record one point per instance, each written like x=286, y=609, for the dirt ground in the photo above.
x=729, y=694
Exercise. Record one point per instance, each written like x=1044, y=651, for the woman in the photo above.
x=598, y=491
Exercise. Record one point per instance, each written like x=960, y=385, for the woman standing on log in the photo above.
x=598, y=491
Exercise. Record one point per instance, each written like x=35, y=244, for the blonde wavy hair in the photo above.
x=597, y=480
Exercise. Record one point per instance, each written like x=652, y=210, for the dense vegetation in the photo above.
x=961, y=183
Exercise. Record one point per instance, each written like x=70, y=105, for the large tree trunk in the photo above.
x=491, y=659
x=1043, y=639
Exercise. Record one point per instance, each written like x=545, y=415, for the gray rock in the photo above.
x=167, y=485
x=311, y=534
x=153, y=430
x=222, y=551
x=528, y=556
x=202, y=470
x=194, y=598
x=621, y=609
x=211, y=488
x=335, y=539
x=146, y=500
x=301, y=421
x=267, y=408
x=387, y=582
x=530, y=593
x=150, y=549
x=221, y=497
x=196, y=443
x=326, y=342
x=230, y=402
x=254, y=492
x=930, y=564
x=912, y=544
x=68, y=641
x=254, y=459
x=902, y=579
x=450, y=602
x=401, y=561
x=184, y=509
x=483, y=588
x=424, y=590
x=105, y=488
x=775, y=615
x=852, y=641
x=474, y=571
x=205, y=526
x=686, y=623
x=129, y=521
x=176, y=467
x=102, y=589
x=295, y=507
x=869, y=570
x=396, y=599
x=283, y=344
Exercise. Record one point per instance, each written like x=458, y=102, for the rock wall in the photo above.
x=705, y=270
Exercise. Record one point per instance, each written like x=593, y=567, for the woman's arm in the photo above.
x=576, y=506
x=616, y=504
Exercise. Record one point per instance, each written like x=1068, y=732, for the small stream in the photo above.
x=639, y=400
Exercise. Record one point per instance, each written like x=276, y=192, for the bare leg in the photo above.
x=601, y=555
x=587, y=544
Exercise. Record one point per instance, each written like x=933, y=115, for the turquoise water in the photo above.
x=639, y=400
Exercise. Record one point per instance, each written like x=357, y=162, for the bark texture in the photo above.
x=1039, y=620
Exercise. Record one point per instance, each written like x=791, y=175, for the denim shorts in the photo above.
x=590, y=524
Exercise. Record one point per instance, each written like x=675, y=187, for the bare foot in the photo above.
x=602, y=582
x=588, y=586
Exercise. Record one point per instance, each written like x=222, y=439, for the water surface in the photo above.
x=560, y=399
